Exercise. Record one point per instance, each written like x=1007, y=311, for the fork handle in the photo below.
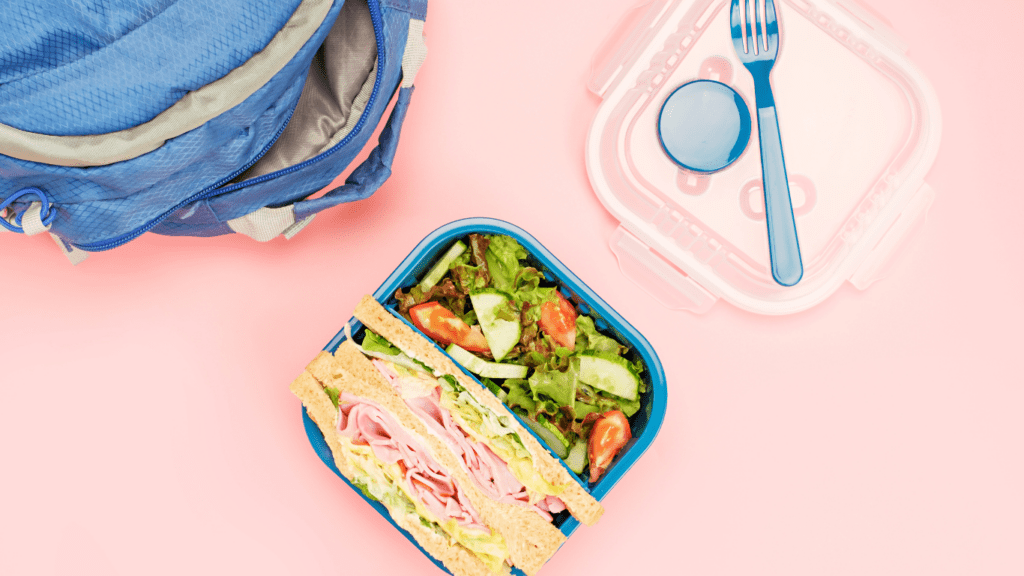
x=787, y=267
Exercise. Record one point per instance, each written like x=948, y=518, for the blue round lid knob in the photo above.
x=704, y=126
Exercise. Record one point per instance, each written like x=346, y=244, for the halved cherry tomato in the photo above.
x=558, y=320
x=475, y=340
x=444, y=327
x=609, y=434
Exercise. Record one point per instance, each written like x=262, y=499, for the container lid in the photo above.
x=704, y=126
x=860, y=128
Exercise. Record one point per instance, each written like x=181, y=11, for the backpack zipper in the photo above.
x=216, y=190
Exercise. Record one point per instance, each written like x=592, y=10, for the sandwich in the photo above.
x=452, y=465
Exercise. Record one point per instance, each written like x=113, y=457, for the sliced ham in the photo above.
x=365, y=423
x=489, y=472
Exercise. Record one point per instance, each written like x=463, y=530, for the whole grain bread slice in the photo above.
x=320, y=409
x=377, y=318
x=457, y=559
x=531, y=539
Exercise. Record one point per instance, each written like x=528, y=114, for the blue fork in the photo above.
x=755, y=34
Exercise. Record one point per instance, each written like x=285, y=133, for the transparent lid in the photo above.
x=860, y=128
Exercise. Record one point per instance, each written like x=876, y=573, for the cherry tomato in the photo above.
x=609, y=434
x=444, y=327
x=558, y=320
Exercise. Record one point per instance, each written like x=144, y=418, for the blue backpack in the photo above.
x=192, y=117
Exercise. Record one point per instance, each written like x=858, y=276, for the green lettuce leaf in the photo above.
x=468, y=278
x=364, y=488
x=545, y=406
x=375, y=343
x=597, y=401
x=519, y=395
x=588, y=338
x=333, y=394
x=529, y=295
x=470, y=318
x=530, y=333
x=460, y=260
x=528, y=279
x=448, y=382
x=543, y=352
x=489, y=547
x=558, y=386
x=503, y=256
x=581, y=409
x=527, y=288
x=628, y=407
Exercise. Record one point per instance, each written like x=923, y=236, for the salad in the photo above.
x=502, y=320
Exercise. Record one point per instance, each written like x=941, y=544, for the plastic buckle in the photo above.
x=46, y=215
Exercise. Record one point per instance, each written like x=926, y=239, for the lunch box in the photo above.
x=645, y=423
x=860, y=129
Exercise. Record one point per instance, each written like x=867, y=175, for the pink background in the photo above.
x=146, y=425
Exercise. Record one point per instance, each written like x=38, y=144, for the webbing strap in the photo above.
x=266, y=223
x=35, y=219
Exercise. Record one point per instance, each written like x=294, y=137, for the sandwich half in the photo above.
x=374, y=455
x=390, y=437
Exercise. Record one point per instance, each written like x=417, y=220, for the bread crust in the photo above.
x=320, y=409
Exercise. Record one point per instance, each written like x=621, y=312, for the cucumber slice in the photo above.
x=548, y=437
x=484, y=368
x=464, y=357
x=503, y=371
x=441, y=267
x=609, y=373
x=490, y=385
x=554, y=432
x=577, y=459
x=502, y=335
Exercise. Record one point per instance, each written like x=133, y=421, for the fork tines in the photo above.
x=754, y=22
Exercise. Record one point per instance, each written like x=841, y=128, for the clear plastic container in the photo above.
x=860, y=129
x=644, y=425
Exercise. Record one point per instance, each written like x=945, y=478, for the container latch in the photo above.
x=664, y=282
x=876, y=265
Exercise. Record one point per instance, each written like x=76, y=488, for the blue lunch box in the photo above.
x=645, y=424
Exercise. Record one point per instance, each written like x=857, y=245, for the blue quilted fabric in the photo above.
x=182, y=187
x=86, y=67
